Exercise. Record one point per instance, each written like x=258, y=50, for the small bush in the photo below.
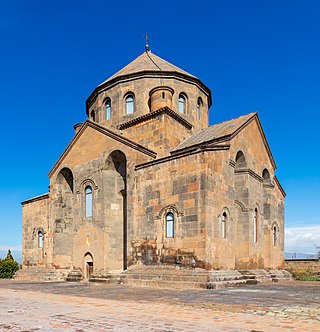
x=8, y=266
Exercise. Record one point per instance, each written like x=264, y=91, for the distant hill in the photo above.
x=298, y=255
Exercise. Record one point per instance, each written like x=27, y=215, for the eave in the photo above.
x=34, y=199
x=148, y=74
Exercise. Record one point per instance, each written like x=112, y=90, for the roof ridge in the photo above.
x=238, y=117
x=216, y=131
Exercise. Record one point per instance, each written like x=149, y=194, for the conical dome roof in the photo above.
x=145, y=66
x=147, y=61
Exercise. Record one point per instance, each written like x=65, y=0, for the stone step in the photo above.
x=227, y=284
x=168, y=277
x=108, y=278
x=74, y=276
x=165, y=284
x=224, y=275
x=41, y=274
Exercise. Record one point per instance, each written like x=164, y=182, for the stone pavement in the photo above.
x=26, y=306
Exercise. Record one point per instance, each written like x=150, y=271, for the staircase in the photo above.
x=41, y=274
x=253, y=277
x=74, y=275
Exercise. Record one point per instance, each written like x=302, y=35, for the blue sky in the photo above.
x=254, y=55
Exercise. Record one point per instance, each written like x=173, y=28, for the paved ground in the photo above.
x=25, y=306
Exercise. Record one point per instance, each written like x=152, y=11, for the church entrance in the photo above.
x=88, y=266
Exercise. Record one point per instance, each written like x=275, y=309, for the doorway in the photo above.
x=88, y=266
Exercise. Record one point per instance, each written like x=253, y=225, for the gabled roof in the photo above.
x=147, y=61
x=107, y=132
x=222, y=132
x=215, y=132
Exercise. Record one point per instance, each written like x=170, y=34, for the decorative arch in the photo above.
x=84, y=183
x=169, y=208
x=240, y=160
x=117, y=160
x=65, y=177
x=115, y=171
x=242, y=206
x=266, y=176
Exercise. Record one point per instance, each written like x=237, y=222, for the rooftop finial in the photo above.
x=147, y=42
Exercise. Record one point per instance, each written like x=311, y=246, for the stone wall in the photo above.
x=169, y=186
x=141, y=88
x=303, y=266
x=35, y=219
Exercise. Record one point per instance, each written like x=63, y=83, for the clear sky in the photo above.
x=254, y=55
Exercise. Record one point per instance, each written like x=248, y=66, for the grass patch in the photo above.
x=307, y=278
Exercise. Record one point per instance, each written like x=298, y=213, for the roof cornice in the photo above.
x=154, y=114
x=34, y=199
x=106, y=132
x=266, y=142
x=148, y=73
x=279, y=186
x=181, y=155
x=204, y=145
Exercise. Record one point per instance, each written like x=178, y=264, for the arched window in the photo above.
x=199, y=107
x=88, y=198
x=255, y=226
x=93, y=115
x=223, y=225
x=182, y=104
x=108, y=109
x=274, y=235
x=170, y=224
x=40, y=239
x=130, y=104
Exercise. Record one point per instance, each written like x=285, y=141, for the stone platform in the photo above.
x=160, y=277
x=179, y=278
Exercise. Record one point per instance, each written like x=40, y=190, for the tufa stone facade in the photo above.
x=145, y=180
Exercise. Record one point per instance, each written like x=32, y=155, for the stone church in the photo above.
x=146, y=182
